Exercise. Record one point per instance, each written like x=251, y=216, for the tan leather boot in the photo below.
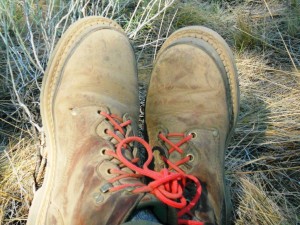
x=191, y=111
x=89, y=103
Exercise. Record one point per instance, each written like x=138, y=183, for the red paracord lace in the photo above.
x=168, y=184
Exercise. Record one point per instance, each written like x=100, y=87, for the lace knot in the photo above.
x=168, y=183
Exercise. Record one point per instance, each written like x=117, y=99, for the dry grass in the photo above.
x=17, y=164
x=263, y=160
x=265, y=152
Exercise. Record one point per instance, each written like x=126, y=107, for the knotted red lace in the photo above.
x=168, y=184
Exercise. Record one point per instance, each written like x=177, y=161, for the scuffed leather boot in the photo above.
x=191, y=111
x=89, y=104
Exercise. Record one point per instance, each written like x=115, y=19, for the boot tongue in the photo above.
x=158, y=163
x=165, y=214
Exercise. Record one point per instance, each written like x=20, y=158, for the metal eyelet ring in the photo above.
x=108, y=171
x=105, y=188
x=102, y=151
x=194, y=135
x=191, y=156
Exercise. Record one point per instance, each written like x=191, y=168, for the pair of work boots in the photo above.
x=90, y=109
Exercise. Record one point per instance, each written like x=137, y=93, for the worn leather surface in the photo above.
x=190, y=93
x=93, y=69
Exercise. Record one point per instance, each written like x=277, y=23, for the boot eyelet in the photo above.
x=105, y=188
x=99, y=112
x=192, y=157
x=108, y=171
x=102, y=151
x=194, y=135
x=98, y=198
x=161, y=132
